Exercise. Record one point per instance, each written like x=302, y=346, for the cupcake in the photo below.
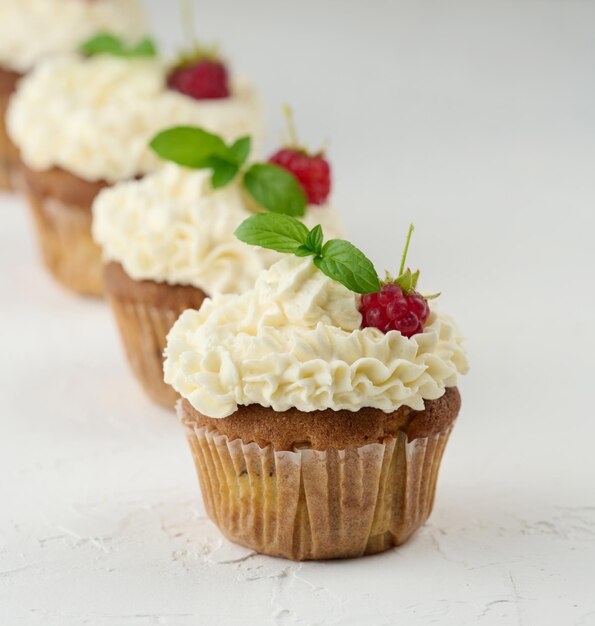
x=168, y=241
x=30, y=30
x=83, y=122
x=318, y=404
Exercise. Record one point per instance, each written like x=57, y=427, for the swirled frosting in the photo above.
x=295, y=341
x=32, y=29
x=173, y=227
x=95, y=116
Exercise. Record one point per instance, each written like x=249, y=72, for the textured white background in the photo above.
x=476, y=121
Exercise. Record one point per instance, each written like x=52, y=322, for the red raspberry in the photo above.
x=313, y=172
x=204, y=80
x=392, y=309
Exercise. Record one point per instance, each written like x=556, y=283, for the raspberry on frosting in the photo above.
x=397, y=306
x=393, y=309
x=204, y=80
x=199, y=73
x=294, y=341
x=312, y=171
x=106, y=109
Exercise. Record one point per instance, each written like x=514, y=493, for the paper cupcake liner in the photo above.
x=67, y=247
x=143, y=329
x=309, y=504
x=9, y=159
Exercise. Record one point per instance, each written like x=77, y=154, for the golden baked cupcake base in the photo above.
x=145, y=311
x=61, y=207
x=9, y=158
x=305, y=503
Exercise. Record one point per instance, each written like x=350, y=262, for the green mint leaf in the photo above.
x=315, y=239
x=274, y=231
x=275, y=189
x=239, y=150
x=144, y=48
x=197, y=148
x=189, y=146
x=343, y=262
x=104, y=43
x=223, y=172
x=304, y=250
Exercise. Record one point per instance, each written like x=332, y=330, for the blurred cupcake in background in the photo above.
x=168, y=239
x=83, y=122
x=31, y=30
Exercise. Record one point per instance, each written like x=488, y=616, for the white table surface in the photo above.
x=476, y=121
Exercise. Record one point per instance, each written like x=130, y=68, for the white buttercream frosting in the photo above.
x=95, y=116
x=295, y=341
x=173, y=227
x=32, y=29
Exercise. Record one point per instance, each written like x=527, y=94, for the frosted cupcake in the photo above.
x=317, y=417
x=168, y=240
x=31, y=30
x=83, y=123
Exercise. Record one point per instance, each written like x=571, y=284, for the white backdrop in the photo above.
x=475, y=120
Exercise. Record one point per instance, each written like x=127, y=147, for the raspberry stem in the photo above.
x=404, y=257
x=187, y=15
x=291, y=128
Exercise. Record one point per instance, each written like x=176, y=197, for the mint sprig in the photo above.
x=106, y=43
x=198, y=149
x=338, y=259
x=270, y=186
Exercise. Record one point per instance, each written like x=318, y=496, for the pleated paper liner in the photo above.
x=309, y=504
x=67, y=247
x=145, y=314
